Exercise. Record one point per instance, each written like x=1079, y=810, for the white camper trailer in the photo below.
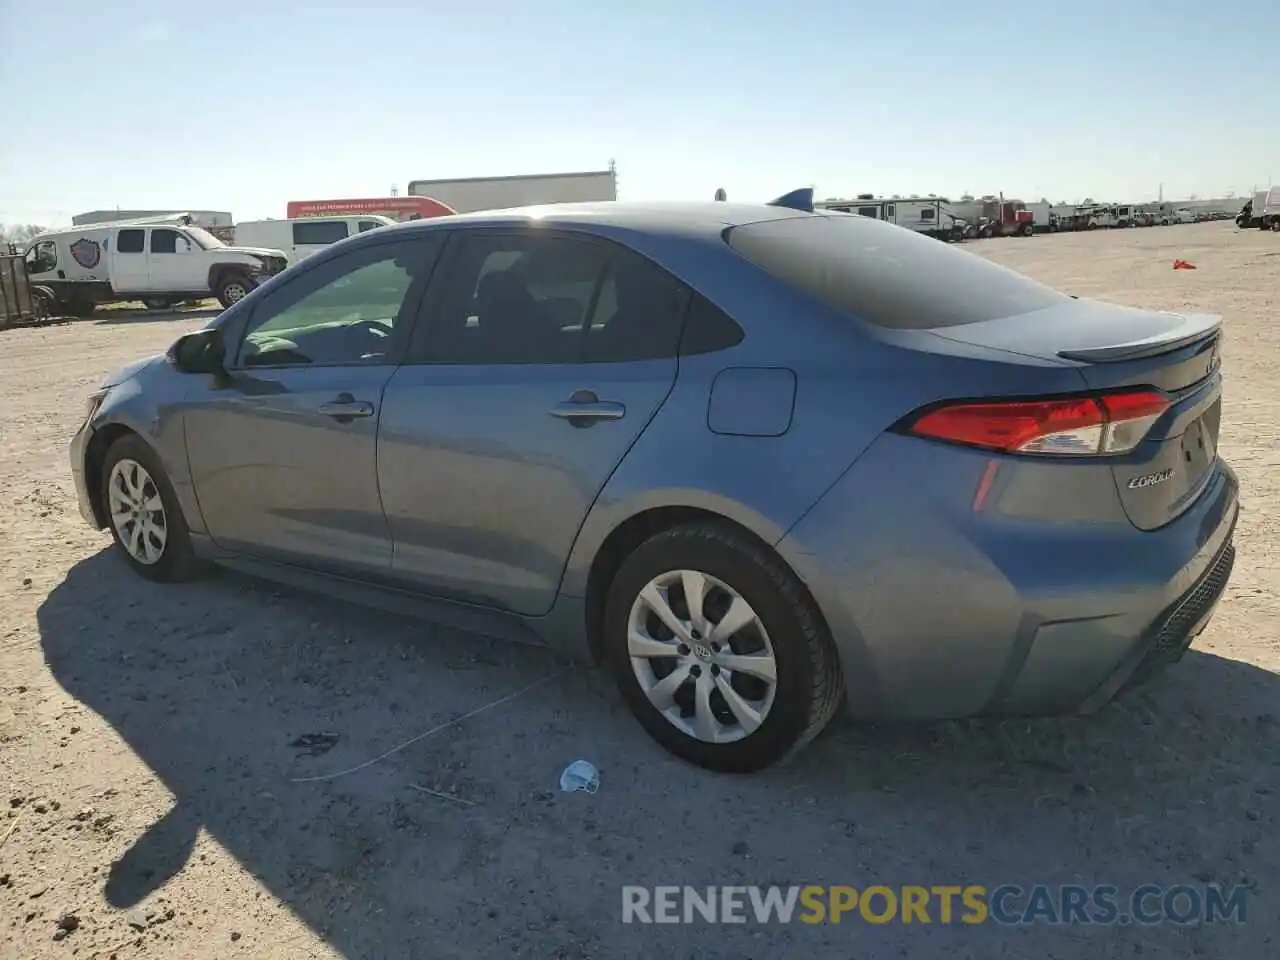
x=927, y=215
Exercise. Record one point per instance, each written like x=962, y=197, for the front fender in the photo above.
x=149, y=404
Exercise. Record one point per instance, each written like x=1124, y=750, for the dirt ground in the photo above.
x=152, y=739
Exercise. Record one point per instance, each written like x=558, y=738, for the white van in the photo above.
x=160, y=262
x=305, y=235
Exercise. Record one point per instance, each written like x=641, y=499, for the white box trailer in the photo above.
x=1267, y=209
x=469, y=194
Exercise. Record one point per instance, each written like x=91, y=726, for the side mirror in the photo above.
x=201, y=352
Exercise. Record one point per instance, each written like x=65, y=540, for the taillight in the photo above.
x=1074, y=426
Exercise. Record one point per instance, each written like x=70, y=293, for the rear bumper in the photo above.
x=940, y=613
x=1172, y=633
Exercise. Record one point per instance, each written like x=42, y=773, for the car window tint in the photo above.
x=515, y=298
x=707, y=328
x=638, y=314
x=319, y=232
x=344, y=310
x=167, y=241
x=887, y=275
x=130, y=241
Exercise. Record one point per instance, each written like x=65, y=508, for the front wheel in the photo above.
x=43, y=302
x=718, y=649
x=143, y=513
x=233, y=289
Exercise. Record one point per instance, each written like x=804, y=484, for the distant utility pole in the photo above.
x=1162, y=193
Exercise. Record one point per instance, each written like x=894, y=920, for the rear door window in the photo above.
x=885, y=275
x=130, y=241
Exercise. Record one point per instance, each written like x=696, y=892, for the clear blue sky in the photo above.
x=242, y=107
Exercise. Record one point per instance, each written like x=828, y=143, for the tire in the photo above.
x=808, y=684
x=81, y=308
x=44, y=303
x=1026, y=230
x=157, y=303
x=233, y=288
x=175, y=560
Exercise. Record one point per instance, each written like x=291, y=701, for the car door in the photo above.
x=173, y=262
x=539, y=361
x=129, y=261
x=283, y=451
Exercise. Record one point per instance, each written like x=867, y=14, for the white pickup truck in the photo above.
x=160, y=263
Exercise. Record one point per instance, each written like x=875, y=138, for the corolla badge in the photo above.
x=1150, y=479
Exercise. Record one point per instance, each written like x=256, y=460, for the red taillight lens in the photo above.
x=1075, y=426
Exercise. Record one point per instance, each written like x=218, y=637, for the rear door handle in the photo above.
x=585, y=408
x=345, y=408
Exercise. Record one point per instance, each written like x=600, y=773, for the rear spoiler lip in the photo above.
x=1206, y=325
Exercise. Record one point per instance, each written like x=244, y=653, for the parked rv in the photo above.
x=305, y=235
x=160, y=262
x=927, y=215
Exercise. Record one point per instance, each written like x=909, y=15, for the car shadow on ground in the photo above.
x=232, y=691
x=107, y=317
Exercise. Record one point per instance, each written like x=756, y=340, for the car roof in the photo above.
x=707, y=218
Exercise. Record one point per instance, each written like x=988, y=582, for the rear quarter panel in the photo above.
x=852, y=384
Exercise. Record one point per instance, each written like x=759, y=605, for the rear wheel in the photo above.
x=718, y=649
x=143, y=513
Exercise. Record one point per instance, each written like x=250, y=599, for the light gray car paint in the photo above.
x=936, y=609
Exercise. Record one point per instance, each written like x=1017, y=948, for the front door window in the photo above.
x=43, y=257
x=345, y=311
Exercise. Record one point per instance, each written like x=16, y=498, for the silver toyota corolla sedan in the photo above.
x=759, y=460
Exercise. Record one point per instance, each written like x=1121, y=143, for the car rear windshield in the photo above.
x=887, y=275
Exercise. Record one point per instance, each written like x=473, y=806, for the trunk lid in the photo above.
x=1115, y=347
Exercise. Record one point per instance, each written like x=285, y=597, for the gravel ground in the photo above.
x=152, y=739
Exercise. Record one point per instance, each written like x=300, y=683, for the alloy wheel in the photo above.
x=702, y=656
x=137, y=511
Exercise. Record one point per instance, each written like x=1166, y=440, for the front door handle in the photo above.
x=584, y=408
x=344, y=408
